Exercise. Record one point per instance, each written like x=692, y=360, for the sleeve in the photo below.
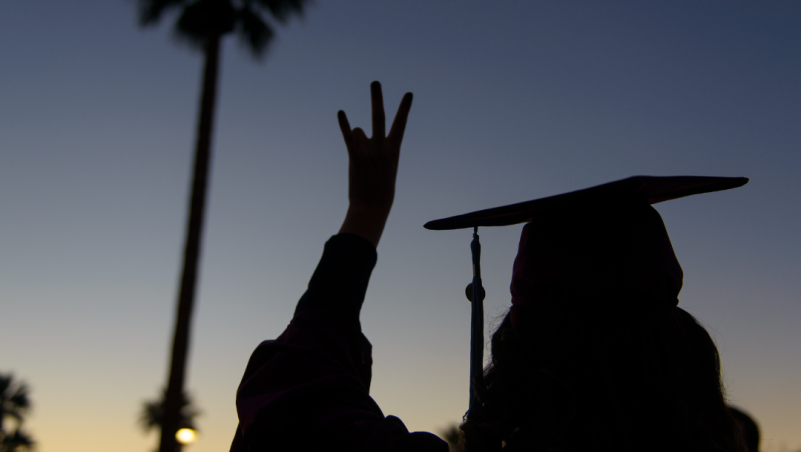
x=340, y=280
x=308, y=389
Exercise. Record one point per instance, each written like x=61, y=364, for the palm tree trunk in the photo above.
x=186, y=297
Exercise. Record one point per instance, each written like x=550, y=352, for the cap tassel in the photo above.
x=476, y=321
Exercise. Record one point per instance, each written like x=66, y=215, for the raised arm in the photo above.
x=373, y=168
x=309, y=389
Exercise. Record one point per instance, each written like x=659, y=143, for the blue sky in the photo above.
x=512, y=102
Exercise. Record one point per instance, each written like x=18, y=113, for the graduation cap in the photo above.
x=605, y=239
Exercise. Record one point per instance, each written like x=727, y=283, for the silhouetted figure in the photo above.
x=748, y=428
x=309, y=389
x=594, y=341
x=594, y=354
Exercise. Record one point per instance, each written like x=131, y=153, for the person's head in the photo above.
x=748, y=429
x=595, y=353
x=605, y=377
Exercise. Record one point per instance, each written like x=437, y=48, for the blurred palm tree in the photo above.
x=152, y=414
x=203, y=23
x=14, y=404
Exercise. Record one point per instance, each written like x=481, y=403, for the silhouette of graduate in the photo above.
x=308, y=390
x=594, y=354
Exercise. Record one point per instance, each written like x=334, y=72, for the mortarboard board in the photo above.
x=605, y=239
x=645, y=189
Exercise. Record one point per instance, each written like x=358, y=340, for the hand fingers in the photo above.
x=360, y=137
x=379, y=121
x=399, y=124
x=344, y=126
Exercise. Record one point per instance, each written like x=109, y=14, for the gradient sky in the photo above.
x=513, y=101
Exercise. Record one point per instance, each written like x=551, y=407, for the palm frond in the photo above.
x=19, y=398
x=150, y=416
x=281, y=10
x=199, y=20
x=452, y=435
x=5, y=383
x=152, y=413
x=253, y=31
x=205, y=18
x=151, y=11
x=14, y=401
x=17, y=440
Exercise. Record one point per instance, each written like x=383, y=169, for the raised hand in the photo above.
x=373, y=168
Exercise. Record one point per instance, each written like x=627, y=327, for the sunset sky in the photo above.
x=514, y=100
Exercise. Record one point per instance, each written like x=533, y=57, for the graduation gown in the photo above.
x=309, y=388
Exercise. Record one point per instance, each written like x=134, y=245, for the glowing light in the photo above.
x=186, y=436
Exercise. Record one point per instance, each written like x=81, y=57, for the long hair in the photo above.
x=586, y=377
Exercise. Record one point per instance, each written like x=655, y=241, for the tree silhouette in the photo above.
x=14, y=404
x=452, y=435
x=152, y=414
x=203, y=23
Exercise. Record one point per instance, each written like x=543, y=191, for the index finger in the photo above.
x=399, y=124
